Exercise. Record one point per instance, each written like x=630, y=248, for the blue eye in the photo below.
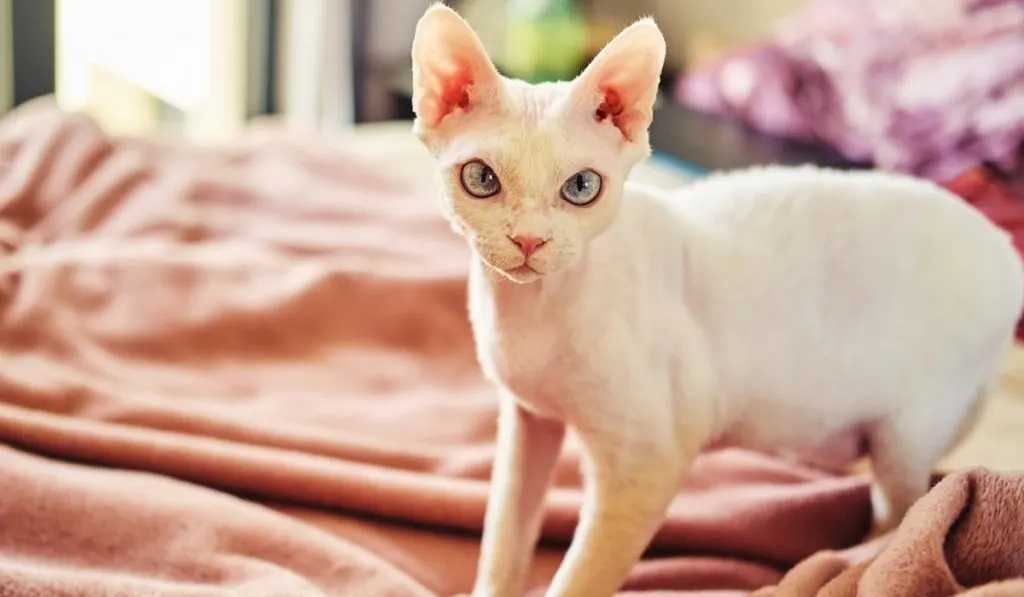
x=479, y=180
x=582, y=188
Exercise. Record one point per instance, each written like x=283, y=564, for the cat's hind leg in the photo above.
x=905, y=448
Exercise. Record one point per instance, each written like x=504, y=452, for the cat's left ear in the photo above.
x=618, y=88
x=451, y=71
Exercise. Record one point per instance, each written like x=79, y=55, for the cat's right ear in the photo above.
x=619, y=87
x=451, y=73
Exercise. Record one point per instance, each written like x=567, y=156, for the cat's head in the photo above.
x=531, y=173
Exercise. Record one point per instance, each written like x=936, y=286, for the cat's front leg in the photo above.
x=635, y=463
x=527, y=449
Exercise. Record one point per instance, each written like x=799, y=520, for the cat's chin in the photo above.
x=524, y=274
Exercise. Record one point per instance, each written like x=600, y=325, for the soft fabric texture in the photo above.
x=962, y=538
x=927, y=88
x=246, y=371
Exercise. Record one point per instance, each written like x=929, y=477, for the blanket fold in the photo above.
x=964, y=537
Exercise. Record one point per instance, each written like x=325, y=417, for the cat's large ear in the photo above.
x=619, y=86
x=451, y=72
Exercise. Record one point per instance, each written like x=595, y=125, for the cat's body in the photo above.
x=770, y=291
x=803, y=310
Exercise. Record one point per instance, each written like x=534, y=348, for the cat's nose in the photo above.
x=528, y=244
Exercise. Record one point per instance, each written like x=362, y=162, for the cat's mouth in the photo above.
x=521, y=273
x=522, y=269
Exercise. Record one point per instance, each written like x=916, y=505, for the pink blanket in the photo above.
x=247, y=371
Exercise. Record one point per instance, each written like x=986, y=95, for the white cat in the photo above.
x=827, y=313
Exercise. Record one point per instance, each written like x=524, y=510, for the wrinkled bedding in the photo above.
x=929, y=88
x=246, y=371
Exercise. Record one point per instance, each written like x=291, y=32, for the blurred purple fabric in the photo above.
x=931, y=87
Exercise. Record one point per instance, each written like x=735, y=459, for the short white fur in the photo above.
x=797, y=310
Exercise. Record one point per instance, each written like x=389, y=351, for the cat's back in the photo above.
x=871, y=215
x=790, y=195
x=794, y=241
x=842, y=263
x=809, y=283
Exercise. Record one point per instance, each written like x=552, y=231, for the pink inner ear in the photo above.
x=613, y=108
x=450, y=91
x=457, y=94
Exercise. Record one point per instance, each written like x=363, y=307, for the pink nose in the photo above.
x=528, y=244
